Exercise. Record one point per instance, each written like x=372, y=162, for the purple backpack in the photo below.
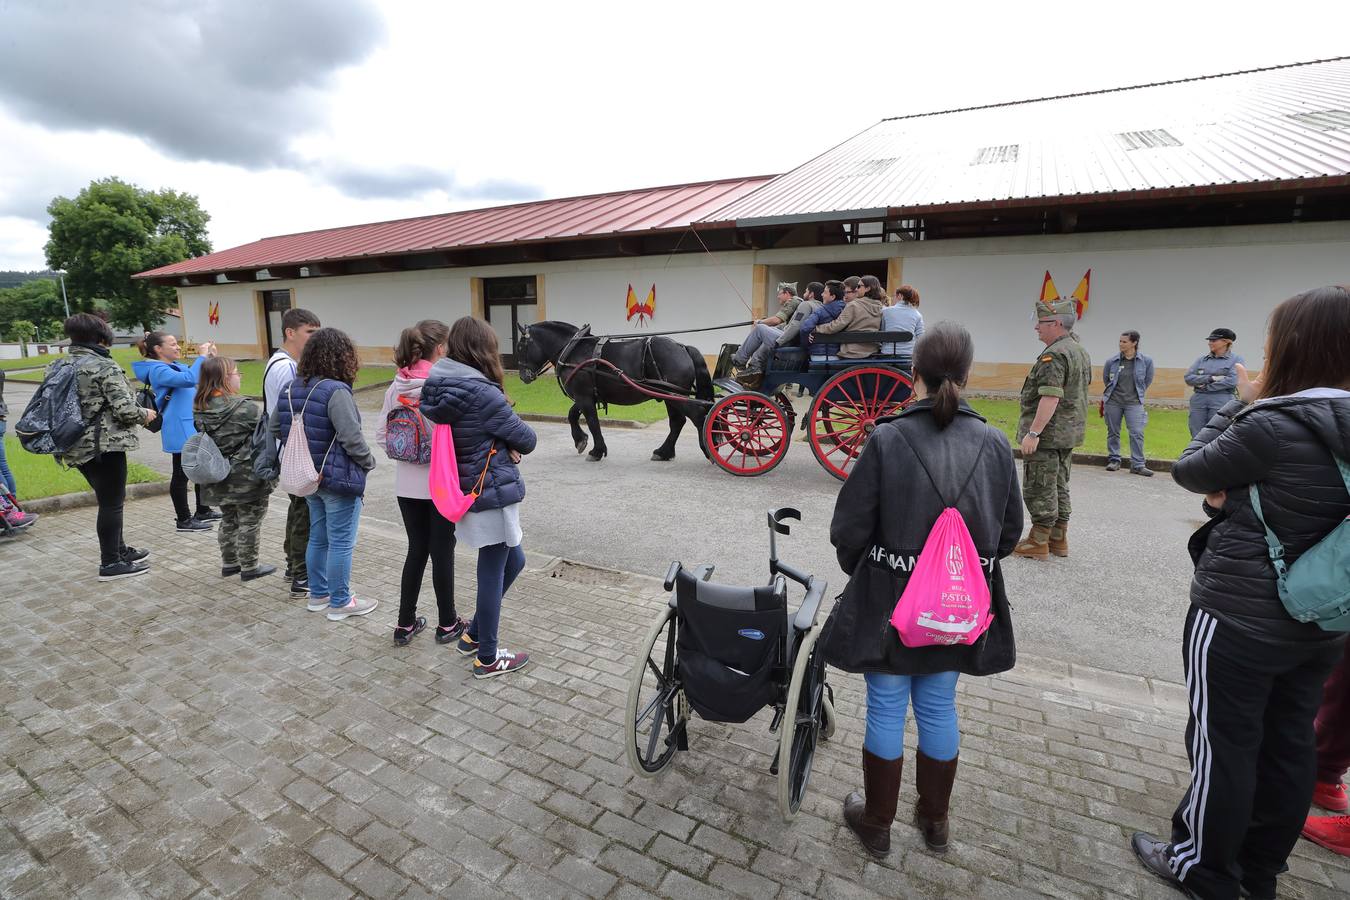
x=406, y=435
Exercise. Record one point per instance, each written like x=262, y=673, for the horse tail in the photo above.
x=703, y=385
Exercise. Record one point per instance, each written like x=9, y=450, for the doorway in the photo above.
x=274, y=306
x=509, y=304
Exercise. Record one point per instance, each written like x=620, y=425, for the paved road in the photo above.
x=1117, y=603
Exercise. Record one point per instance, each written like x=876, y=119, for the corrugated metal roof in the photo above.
x=1270, y=125
x=595, y=215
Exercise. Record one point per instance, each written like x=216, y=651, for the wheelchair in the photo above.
x=725, y=653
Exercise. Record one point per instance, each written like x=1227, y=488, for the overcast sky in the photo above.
x=288, y=115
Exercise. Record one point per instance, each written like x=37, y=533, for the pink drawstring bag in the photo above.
x=443, y=476
x=946, y=600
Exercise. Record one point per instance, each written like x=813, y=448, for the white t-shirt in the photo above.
x=278, y=376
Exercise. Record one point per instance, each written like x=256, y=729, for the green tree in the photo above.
x=35, y=301
x=113, y=230
x=22, y=331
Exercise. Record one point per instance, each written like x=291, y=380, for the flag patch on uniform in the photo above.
x=1047, y=357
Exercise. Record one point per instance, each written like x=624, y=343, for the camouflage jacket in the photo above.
x=1062, y=370
x=230, y=422
x=107, y=404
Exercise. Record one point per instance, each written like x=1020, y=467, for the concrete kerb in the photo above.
x=87, y=498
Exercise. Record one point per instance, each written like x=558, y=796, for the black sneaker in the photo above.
x=256, y=572
x=299, y=587
x=208, y=514
x=227, y=571
x=446, y=635
x=1112, y=465
x=193, y=525
x=132, y=555
x=286, y=576
x=121, y=569
x=403, y=636
x=1142, y=470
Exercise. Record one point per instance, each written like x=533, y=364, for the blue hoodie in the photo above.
x=177, y=414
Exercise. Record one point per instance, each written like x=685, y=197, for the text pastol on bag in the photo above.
x=946, y=599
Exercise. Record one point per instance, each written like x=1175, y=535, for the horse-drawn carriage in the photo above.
x=747, y=432
x=743, y=431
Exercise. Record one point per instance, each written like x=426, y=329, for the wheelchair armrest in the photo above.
x=704, y=572
x=805, y=619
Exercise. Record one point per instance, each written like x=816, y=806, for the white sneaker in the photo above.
x=353, y=607
x=317, y=604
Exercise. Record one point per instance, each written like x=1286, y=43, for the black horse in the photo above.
x=657, y=363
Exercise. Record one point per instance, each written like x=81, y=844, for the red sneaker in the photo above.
x=1332, y=832
x=1331, y=797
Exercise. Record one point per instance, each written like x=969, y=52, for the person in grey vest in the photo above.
x=1127, y=376
x=1213, y=378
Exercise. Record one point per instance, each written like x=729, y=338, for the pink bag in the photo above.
x=947, y=598
x=443, y=476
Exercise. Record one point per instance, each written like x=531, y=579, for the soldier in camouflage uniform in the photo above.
x=1053, y=421
x=229, y=419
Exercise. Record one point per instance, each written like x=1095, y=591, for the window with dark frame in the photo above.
x=502, y=299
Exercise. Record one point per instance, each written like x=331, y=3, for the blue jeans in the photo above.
x=5, y=474
x=760, y=336
x=1136, y=417
x=332, y=536
x=498, y=566
x=934, y=699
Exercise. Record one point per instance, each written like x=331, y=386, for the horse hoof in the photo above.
x=657, y=457
x=581, y=445
x=593, y=456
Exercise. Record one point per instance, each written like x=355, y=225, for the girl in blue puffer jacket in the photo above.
x=464, y=391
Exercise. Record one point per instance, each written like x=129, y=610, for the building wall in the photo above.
x=1172, y=286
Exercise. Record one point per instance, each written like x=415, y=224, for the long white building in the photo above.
x=1193, y=204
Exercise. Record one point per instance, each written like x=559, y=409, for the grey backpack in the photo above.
x=203, y=463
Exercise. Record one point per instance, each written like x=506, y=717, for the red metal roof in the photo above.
x=1285, y=126
x=594, y=215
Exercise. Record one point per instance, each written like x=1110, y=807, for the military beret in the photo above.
x=1045, y=309
x=789, y=286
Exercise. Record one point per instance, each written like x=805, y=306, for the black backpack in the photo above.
x=52, y=422
x=266, y=458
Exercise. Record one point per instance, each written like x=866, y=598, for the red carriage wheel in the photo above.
x=746, y=433
x=846, y=409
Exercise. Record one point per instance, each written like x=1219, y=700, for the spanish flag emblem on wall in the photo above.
x=644, y=311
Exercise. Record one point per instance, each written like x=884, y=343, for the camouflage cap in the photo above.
x=789, y=286
x=1057, y=307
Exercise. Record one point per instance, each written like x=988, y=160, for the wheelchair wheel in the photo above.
x=802, y=727
x=657, y=713
x=828, y=721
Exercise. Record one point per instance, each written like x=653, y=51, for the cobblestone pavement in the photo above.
x=179, y=735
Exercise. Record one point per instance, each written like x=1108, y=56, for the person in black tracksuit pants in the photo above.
x=1253, y=674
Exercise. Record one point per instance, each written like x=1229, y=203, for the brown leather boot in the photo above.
x=934, y=779
x=871, y=818
x=1036, y=545
x=1059, y=539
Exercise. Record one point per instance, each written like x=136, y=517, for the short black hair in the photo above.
x=298, y=318
x=87, y=328
x=1132, y=335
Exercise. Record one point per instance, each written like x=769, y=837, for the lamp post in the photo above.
x=62, y=276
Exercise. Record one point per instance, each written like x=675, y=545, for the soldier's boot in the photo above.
x=1059, y=539
x=1035, y=545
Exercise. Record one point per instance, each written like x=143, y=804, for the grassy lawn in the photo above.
x=1165, y=436
x=40, y=476
x=545, y=397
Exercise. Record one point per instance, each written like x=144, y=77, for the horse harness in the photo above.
x=595, y=361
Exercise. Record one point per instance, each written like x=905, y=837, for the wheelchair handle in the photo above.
x=792, y=572
x=671, y=573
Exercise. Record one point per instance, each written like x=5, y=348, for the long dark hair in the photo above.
x=872, y=288
x=150, y=343
x=942, y=358
x=1305, y=343
x=329, y=354
x=213, y=378
x=420, y=341
x=474, y=343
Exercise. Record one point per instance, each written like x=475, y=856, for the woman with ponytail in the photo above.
x=430, y=535
x=935, y=454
